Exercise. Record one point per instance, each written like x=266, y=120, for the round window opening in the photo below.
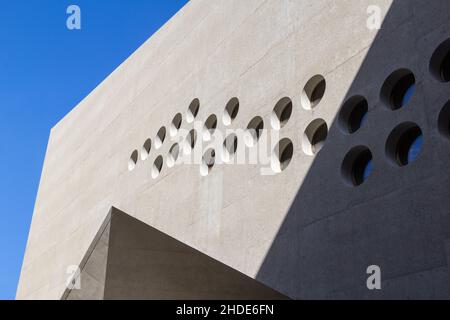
x=209, y=127
x=133, y=160
x=174, y=154
x=444, y=121
x=160, y=137
x=231, y=111
x=313, y=92
x=208, y=161
x=254, y=131
x=146, y=148
x=404, y=144
x=314, y=137
x=281, y=113
x=398, y=89
x=193, y=109
x=191, y=140
x=357, y=166
x=282, y=155
x=157, y=167
x=353, y=114
x=230, y=146
x=440, y=62
x=176, y=124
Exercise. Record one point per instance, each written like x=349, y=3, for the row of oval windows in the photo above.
x=402, y=147
x=396, y=92
x=281, y=155
x=405, y=142
x=352, y=116
x=357, y=166
x=312, y=94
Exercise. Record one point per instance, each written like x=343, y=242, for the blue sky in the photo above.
x=45, y=71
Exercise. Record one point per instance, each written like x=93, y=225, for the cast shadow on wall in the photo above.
x=377, y=193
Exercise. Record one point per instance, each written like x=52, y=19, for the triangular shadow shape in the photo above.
x=131, y=260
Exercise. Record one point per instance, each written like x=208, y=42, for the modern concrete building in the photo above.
x=356, y=122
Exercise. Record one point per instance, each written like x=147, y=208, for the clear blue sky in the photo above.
x=45, y=70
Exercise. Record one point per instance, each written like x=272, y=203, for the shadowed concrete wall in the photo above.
x=302, y=232
x=132, y=260
x=400, y=218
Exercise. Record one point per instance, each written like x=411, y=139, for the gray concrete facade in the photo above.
x=132, y=260
x=297, y=226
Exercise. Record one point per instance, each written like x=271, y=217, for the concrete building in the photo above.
x=356, y=122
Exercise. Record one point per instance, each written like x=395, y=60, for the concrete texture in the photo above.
x=88, y=282
x=303, y=232
x=135, y=261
